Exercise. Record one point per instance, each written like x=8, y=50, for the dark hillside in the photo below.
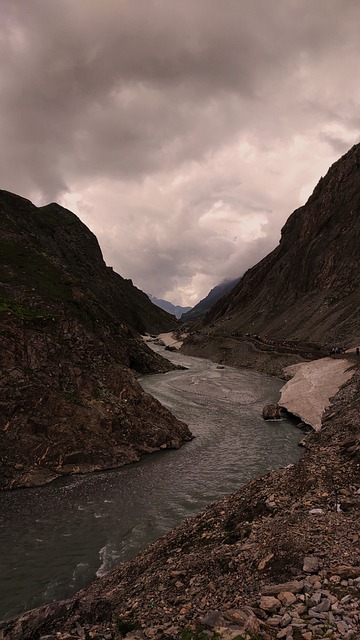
x=52, y=253
x=307, y=288
x=69, y=401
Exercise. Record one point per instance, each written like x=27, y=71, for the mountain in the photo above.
x=202, y=307
x=307, y=289
x=70, y=347
x=175, y=310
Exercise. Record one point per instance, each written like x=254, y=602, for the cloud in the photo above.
x=182, y=133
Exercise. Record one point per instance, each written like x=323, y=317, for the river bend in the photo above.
x=55, y=539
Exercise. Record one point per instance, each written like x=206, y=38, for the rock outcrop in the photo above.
x=70, y=351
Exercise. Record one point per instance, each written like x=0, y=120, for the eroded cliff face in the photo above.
x=307, y=288
x=70, y=401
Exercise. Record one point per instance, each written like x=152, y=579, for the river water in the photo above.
x=55, y=539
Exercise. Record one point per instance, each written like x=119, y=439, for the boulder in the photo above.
x=271, y=412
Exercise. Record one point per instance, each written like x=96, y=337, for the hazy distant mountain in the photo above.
x=202, y=307
x=175, y=310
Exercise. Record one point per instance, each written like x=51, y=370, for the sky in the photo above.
x=182, y=132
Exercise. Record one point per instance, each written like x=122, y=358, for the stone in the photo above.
x=342, y=627
x=287, y=598
x=271, y=412
x=241, y=620
x=323, y=606
x=346, y=571
x=285, y=620
x=211, y=619
x=294, y=586
x=270, y=604
x=317, y=614
x=262, y=564
x=346, y=599
x=311, y=564
x=315, y=599
x=300, y=609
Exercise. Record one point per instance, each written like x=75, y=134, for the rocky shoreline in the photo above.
x=245, y=353
x=278, y=559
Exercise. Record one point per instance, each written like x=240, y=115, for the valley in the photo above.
x=279, y=557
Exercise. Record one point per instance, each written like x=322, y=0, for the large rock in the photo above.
x=271, y=412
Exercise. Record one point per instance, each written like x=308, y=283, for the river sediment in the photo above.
x=295, y=527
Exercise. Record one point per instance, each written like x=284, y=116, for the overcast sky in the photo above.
x=182, y=132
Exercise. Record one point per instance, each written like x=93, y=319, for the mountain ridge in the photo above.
x=70, y=351
x=204, y=305
x=306, y=288
x=174, y=309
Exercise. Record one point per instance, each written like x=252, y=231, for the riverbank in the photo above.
x=297, y=526
x=247, y=353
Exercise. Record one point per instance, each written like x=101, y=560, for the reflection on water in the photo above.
x=56, y=539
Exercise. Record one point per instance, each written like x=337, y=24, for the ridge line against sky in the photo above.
x=182, y=133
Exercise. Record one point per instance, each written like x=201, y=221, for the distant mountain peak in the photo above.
x=217, y=292
x=175, y=310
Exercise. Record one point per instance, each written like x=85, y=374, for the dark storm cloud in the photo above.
x=181, y=128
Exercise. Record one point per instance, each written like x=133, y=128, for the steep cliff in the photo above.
x=307, y=288
x=69, y=347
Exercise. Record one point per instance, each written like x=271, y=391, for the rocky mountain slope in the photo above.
x=202, y=307
x=307, y=288
x=69, y=348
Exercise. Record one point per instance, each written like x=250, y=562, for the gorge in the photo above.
x=280, y=558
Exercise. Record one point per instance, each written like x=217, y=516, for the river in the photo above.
x=55, y=539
